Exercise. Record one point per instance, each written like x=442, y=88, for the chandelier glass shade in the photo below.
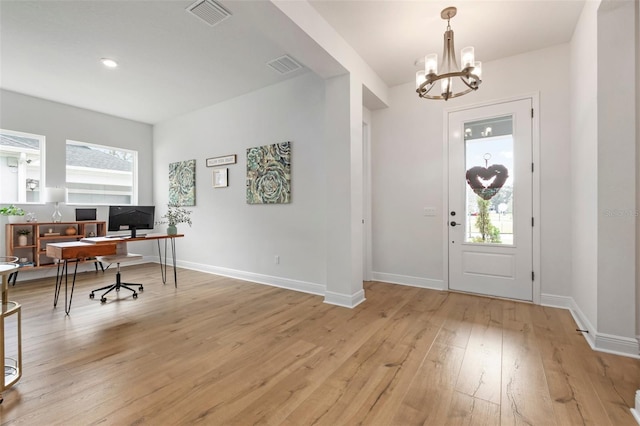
x=467, y=76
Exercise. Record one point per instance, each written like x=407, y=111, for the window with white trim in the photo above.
x=21, y=167
x=98, y=174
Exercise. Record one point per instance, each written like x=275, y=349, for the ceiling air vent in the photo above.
x=284, y=64
x=209, y=11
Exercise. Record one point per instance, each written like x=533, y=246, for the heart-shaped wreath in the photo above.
x=487, y=181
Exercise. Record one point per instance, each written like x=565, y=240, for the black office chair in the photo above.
x=117, y=259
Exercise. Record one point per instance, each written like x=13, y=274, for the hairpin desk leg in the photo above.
x=59, y=275
x=67, y=304
x=163, y=261
x=163, y=267
x=173, y=255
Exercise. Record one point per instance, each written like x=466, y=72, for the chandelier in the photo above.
x=469, y=73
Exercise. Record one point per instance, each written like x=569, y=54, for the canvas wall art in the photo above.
x=182, y=183
x=269, y=174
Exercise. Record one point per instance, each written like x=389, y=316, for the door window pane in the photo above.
x=21, y=167
x=490, y=176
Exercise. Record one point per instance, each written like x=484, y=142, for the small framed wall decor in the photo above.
x=220, y=161
x=220, y=178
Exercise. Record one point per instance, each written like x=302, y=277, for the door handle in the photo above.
x=454, y=223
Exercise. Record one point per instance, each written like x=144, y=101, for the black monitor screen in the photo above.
x=85, y=214
x=125, y=218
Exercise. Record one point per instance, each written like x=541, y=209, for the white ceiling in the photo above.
x=171, y=63
x=391, y=35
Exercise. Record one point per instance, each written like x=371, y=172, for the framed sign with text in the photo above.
x=220, y=161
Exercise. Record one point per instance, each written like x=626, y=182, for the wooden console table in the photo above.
x=32, y=250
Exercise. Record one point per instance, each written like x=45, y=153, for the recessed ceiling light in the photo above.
x=109, y=63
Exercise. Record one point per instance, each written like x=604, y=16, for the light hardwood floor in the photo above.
x=219, y=351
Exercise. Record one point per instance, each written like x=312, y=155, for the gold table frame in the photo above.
x=9, y=308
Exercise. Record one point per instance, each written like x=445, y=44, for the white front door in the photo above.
x=490, y=215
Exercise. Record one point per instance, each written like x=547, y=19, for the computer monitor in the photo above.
x=85, y=214
x=131, y=218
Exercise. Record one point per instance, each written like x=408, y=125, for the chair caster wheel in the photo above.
x=103, y=300
x=91, y=296
x=141, y=288
x=135, y=295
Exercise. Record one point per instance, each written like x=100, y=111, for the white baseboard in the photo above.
x=556, y=301
x=408, y=280
x=617, y=345
x=332, y=298
x=636, y=411
x=344, y=300
x=297, y=285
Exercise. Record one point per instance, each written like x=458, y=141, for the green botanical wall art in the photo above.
x=269, y=174
x=182, y=183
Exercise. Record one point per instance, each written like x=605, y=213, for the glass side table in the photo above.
x=12, y=366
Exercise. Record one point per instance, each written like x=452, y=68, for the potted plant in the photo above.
x=175, y=215
x=22, y=236
x=14, y=214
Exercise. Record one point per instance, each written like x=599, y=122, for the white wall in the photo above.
x=604, y=174
x=637, y=173
x=343, y=149
x=230, y=236
x=616, y=169
x=366, y=202
x=407, y=146
x=59, y=122
x=584, y=161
